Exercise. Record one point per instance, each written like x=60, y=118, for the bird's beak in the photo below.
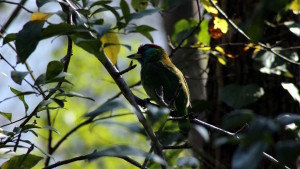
x=134, y=56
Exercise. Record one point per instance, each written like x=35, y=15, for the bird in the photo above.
x=163, y=82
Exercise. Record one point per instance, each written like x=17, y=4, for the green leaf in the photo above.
x=28, y=39
x=52, y=129
x=124, y=151
x=87, y=42
x=40, y=3
x=144, y=30
x=108, y=106
x=188, y=161
x=182, y=28
x=54, y=68
x=9, y=37
x=100, y=3
x=248, y=157
x=139, y=5
x=238, y=96
x=156, y=116
x=28, y=127
x=25, y=161
x=61, y=29
x=236, y=119
x=59, y=102
x=74, y=94
x=203, y=35
x=113, y=11
x=125, y=10
x=18, y=76
x=143, y=13
x=8, y=116
x=20, y=96
x=40, y=80
x=287, y=152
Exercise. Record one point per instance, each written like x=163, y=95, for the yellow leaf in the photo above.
x=220, y=50
x=221, y=24
x=208, y=6
x=222, y=60
x=111, y=46
x=39, y=16
x=295, y=6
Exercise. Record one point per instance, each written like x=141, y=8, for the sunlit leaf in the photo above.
x=39, y=16
x=293, y=90
x=221, y=24
x=238, y=96
x=25, y=161
x=8, y=116
x=112, y=50
x=18, y=76
x=293, y=26
x=20, y=96
x=139, y=5
x=295, y=6
x=203, y=35
x=209, y=7
x=28, y=39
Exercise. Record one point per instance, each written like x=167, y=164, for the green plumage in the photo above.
x=159, y=72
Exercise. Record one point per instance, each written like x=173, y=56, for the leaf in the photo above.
x=74, y=94
x=125, y=10
x=293, y=27
x=220, y=54
x=286, y=119
x=238, y=96
x=295, y=7
x=157, y=115
x=52, y=129
x=143, y=13
x=25, y=161
x=108, y=106
x=293, y=90
x=103, y=2
x=18, y=76
x=133, y=127
x=54, y=68
x=8, y=116
x=28, y=39
x=9, y=37
x=40, y=80
x=113, y=49
x=101, y=29
x=203, y=35
x=221, y=24
x=188, y=161
x=248, y=157
x=144, y=30
x=39, y=16
x=21, y=97
x=203, y=132
x=234, y=120
x=209, y=7
x=139, y=5
x=287, y=152
x=61, y=29
x=87, y=42
x=124, y=151
x=28, y=127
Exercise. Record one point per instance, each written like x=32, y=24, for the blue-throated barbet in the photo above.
x=158, y=74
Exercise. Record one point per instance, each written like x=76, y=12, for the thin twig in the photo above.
x=130, y=67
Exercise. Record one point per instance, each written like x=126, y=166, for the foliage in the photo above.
x=74, y=89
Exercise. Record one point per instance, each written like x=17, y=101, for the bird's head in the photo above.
x=150, y=53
